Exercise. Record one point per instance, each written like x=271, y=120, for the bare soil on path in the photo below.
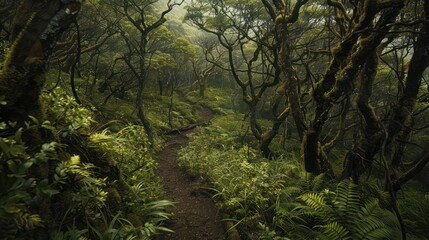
x=195, y=215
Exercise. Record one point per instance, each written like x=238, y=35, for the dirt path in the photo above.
x=195, y=214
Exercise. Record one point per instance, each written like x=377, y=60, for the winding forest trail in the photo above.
x=195, y=214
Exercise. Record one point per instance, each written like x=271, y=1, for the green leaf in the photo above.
x=18, y=135
x=34, y=120
x=11, y=209
x=50, y=191
x=48, y=125
x=12, y=166
x=25, y=166
x=44, y=187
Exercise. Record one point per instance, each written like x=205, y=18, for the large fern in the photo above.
x=346, y=216
x=347, y=203
x=374, y=222
x=293, y=218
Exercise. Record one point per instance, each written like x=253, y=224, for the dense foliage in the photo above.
x=70, y=188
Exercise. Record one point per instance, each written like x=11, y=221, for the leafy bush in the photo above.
x=129, y=149
x=66, y=114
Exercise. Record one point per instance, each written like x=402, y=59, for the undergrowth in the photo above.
x=217, y=99
x=276, y=199
x=77, y=183
x=245, y=184
x=162, y=111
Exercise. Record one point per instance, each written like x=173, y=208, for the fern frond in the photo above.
x=369, y=208
x=334, y=231
x=306, y=181
x=316, y=207
x=343, y=215
x=347, y=203
x=375, y=222
x=315, y=201
x=372, y=228
x=348, y=197
x=373, y=190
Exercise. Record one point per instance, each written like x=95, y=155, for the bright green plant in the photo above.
x=71, y=233
x=155, y=213
x=90, y=199
x=269, y=234
x=65, y=112
x=91, y=195
x=286, y=221
x=119, y=228
x=129, y=150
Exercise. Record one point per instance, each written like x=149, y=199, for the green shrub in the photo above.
x=65, y=114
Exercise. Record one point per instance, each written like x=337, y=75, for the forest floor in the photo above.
x=195, y=215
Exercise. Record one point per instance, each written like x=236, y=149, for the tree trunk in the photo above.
x=339, y=79
x=292, y=84
x=36, y=27
x=361, y=156
x=140, y=112
x=403, y=111
x=202, y=88
x=202, y=79
x=268, y=136
x=161, y=87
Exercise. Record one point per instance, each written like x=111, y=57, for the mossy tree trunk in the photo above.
x=289, y=86
x=141, y=84
x=360, y=158
x=402, y=116
x=292, y=86
x=202, y=79
x=36, y=27
x=348, y=58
